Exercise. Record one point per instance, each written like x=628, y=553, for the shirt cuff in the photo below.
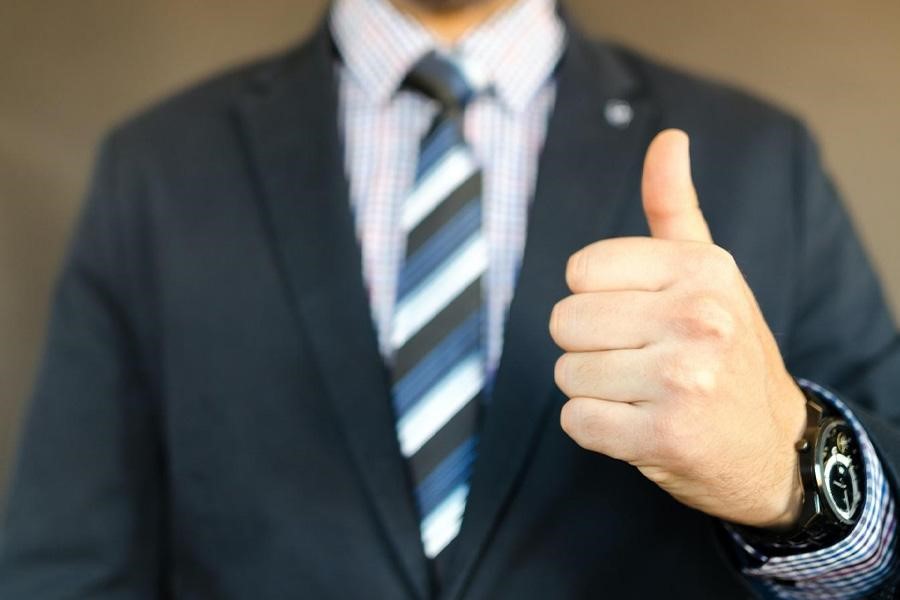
x=855, y=566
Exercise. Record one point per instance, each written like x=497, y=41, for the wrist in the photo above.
x=832, y=486
x=793, y=506
x=788, y=495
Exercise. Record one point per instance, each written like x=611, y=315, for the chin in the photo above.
x=445, y=5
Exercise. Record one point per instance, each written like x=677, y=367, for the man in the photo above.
x=300, y=347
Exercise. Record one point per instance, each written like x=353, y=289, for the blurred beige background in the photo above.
x=70, y=69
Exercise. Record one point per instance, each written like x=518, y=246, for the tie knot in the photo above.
x=441, y=78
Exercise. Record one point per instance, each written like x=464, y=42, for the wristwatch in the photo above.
x=833, y=483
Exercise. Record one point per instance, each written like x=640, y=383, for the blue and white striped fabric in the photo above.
x=437, y=337
x=382, y=125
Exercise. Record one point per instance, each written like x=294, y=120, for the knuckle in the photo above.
x=705, y=317
x=555, y=321
x=684, y=379
x=577, y=271
x=581, y=424
x=725, y=258
x=564, y=319
x=718, y=262
x=569, y=418
x=673, y=375
x=561, y=373
x=592, y=427
x=704, y=381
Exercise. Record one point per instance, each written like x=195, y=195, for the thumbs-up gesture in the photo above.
x=669, y=364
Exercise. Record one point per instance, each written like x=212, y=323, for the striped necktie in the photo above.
x=438, y=326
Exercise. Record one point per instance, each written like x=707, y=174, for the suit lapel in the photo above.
x=587, y=171
x=290, y=124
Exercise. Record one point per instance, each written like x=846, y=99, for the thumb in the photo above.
x=670, y=200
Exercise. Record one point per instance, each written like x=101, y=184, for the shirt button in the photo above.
x=619, y=113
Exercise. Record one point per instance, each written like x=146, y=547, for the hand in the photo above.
x=669, y=364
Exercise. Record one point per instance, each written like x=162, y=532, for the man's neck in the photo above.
x=448, y=24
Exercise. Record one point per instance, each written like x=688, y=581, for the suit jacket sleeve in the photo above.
x=83, y=514
x=843, y=336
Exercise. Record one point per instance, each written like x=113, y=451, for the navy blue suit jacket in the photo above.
x=212, y=416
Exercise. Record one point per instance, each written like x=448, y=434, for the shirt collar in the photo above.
x=515, y=51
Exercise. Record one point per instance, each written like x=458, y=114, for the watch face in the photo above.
x=838, y=461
